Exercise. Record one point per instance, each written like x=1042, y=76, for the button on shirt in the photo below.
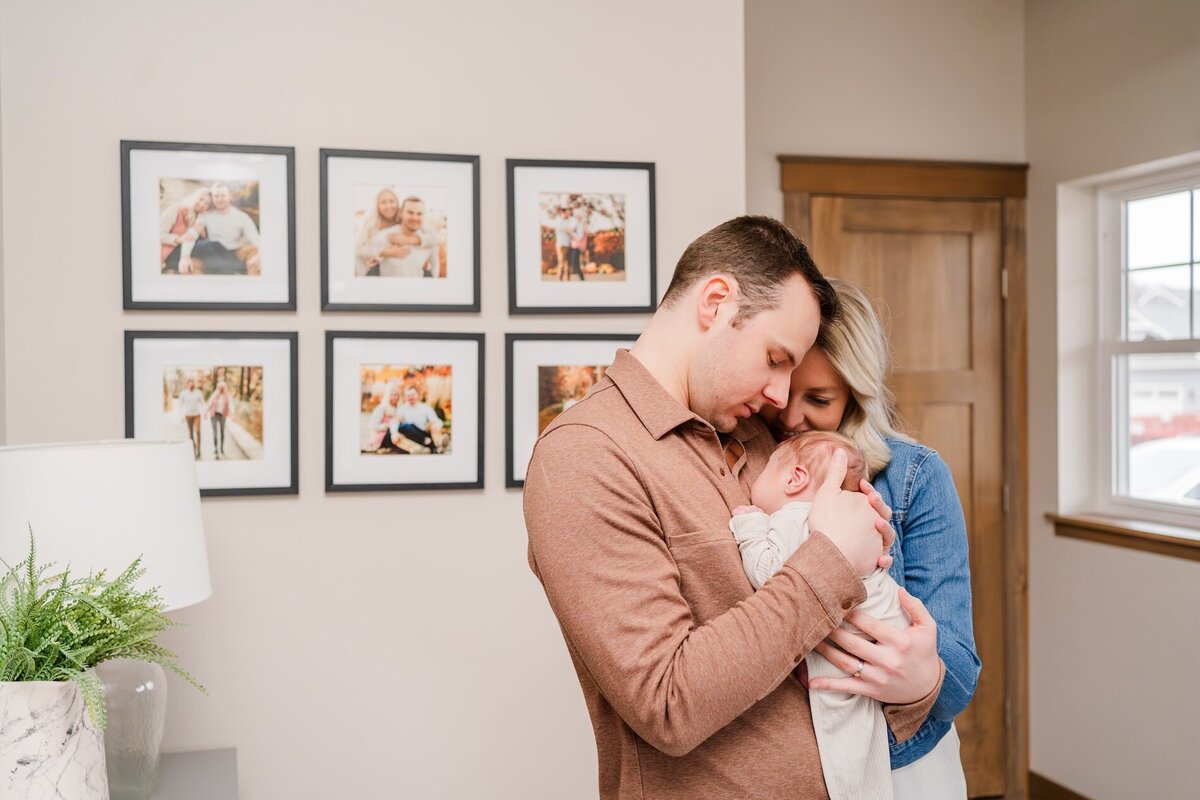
x=686, y=671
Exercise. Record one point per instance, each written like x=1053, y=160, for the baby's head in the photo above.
x=798, y=466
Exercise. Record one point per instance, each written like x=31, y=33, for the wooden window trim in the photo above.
x=1150, y=537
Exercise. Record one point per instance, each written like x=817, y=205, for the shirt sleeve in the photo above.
x=598, y=548
x=765, y=543
x=165, y=223
x=937, y=572
x=249, y=229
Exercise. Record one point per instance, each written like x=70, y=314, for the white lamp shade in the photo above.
x=100, y=505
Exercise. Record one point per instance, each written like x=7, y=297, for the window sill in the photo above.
x=1166, y=540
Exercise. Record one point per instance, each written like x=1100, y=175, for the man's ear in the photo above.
x=798, y=480
x=715, y=292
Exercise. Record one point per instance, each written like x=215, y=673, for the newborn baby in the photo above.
x=851, y=731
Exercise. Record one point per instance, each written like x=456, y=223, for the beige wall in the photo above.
x=1113, y=645
x=389, y=645
x=931, y=79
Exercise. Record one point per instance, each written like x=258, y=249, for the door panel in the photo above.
x=933, y=270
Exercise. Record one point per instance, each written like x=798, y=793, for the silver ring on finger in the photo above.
x=858, y=672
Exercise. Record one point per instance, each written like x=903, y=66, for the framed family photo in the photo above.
x=581, y=237
x=547, y=374
x=403, y=411
x=232, y=395
x=208, y=226
x=399, y=231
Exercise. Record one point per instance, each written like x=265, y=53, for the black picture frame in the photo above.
x=511, y=480
x=293, y=486
x=514, y=306
x=326, y=303
x=128, y=147
x=331, y=485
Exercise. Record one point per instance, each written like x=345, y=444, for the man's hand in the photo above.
x=403, y=238
x=899, y=667
x=740, y=510
x=856, y=523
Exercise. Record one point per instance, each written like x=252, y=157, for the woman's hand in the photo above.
x=899, y=667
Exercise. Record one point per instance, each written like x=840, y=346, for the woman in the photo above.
x=373, y=238
x=178, y=225
x=219, y=407
x=841, y=387
x=383, y=418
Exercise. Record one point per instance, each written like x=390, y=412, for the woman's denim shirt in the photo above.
x=930, y=555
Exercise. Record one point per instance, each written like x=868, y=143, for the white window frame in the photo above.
x=1112, y=419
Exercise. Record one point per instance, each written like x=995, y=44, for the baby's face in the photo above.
x=782, y=482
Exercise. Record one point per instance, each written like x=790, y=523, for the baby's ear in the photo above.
x=799, y=479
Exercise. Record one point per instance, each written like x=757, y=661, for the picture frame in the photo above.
x=177, y=384
x=208, y=227
x=594, y=220
x=399, y=231
x=403, y=411
x=538, y=365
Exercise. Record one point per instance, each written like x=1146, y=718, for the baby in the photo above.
x=851, y=731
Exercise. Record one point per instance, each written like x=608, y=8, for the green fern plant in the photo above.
x=57, y=628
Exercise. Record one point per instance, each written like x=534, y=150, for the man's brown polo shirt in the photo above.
x=686, y=671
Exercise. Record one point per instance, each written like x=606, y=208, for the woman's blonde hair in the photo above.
x=857, y=348
x=190, y=202
x=376, y=223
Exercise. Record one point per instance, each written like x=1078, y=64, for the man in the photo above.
x=230, y=243
x=191, y=406
x=687, y=672
x=412, y=252
x=562, y=241
x=416, y=427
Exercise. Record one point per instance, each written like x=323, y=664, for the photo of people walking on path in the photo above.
x=218, y=408
x=209, y=227
x=399, y=231
x=583, y=236
x=560, y=387
x=405, y=409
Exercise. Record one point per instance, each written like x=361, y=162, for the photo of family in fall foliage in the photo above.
x=228, y=399
x=207, y=226
x=581, y=237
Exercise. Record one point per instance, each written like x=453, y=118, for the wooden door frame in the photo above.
x=803, y=176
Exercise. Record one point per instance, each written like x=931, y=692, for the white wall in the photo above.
x=928, y=79
x=392, y=645
x=1113, y=646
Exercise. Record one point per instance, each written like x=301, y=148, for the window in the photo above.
x=1150, y=349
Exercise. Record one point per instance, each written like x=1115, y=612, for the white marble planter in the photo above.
x=49, y=749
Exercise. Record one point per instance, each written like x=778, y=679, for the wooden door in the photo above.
x=933, y=270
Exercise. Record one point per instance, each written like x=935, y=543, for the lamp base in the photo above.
x=136, y=697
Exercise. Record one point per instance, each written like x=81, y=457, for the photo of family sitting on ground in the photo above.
x=208, y=227
x=561, y=387
x=229, y=399
x=399, y=232
x=405, y=409
x=583, y=235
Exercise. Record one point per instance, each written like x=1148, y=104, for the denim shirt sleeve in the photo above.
x=937, y=572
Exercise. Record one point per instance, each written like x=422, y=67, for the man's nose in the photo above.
x=776, y=391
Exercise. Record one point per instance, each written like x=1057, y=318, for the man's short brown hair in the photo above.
x=761, y=254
